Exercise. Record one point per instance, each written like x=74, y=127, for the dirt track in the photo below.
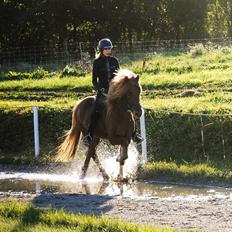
x=209, y=214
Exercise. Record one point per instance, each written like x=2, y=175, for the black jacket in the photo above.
x=102, y=73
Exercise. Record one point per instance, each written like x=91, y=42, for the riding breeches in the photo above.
x=99, y=105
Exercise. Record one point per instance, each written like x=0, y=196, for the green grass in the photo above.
x=51, y=83
x=211, y=172
x=162, y=78
x=19, y=217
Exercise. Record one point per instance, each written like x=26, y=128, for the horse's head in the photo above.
x=133, y=95
x=126, y=86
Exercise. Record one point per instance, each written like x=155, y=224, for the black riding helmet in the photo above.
x=105, y=43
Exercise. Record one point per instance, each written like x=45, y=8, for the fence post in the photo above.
x=36, y=129
x=37, y=187
x=143, y=133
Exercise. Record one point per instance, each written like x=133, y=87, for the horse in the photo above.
x=116, y=122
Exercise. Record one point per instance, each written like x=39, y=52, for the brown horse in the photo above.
x=116, y=123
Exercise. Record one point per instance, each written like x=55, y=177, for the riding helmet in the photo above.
x=105, y=43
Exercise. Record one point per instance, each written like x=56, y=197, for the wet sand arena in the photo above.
x=182, y=206
x=161, y=204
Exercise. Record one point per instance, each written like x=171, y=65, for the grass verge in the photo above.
x=187, y=172
x=18, y=217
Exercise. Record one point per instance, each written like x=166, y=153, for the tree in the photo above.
x=219, y=19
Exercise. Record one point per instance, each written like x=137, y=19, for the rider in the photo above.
x=104, y=68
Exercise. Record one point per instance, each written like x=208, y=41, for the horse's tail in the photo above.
x=67, y=150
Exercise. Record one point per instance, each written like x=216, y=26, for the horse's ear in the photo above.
x=126, y=78
x=137, y=78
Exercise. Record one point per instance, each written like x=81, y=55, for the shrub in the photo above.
x=197, y=50
x=38, y=73
x=79, y=68
x=72, y=70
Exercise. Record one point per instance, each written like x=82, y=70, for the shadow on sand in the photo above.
x=91, y=204
x=87, y=204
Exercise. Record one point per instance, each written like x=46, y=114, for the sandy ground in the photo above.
x=208, y=214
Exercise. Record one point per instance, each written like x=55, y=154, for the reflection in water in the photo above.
x=42, y=182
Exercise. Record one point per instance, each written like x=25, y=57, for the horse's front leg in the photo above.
x=121, y=159
x=123, y=153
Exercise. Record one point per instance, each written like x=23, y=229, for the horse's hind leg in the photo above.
x=85, y=166
x=102, y=170
x=97, y=161
x=91, y=153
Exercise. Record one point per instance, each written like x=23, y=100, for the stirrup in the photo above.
x=137, y=138
x=87, y=140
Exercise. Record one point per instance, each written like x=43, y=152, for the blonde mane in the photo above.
x=119, y=87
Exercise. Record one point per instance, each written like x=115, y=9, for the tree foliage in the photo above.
x=27, y=23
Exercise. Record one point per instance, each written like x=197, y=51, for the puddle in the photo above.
x=37, y=183
x=16, y=180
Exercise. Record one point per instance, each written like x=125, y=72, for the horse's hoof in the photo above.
x=125, y=180
x=122, y=180
x=106, y=178
x=82, y=176
x=118, y=178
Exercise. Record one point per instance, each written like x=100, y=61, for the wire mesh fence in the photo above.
x=59, y=55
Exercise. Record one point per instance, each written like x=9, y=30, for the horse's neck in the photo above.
x=117, y=110
x=119, y=122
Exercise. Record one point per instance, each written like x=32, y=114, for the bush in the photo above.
x=72, y=70
x=79, y=68
x=197, y=50
x=38, y=73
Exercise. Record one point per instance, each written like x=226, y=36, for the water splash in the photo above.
x=107, y=155
x=45, y=177
x=131, y=164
